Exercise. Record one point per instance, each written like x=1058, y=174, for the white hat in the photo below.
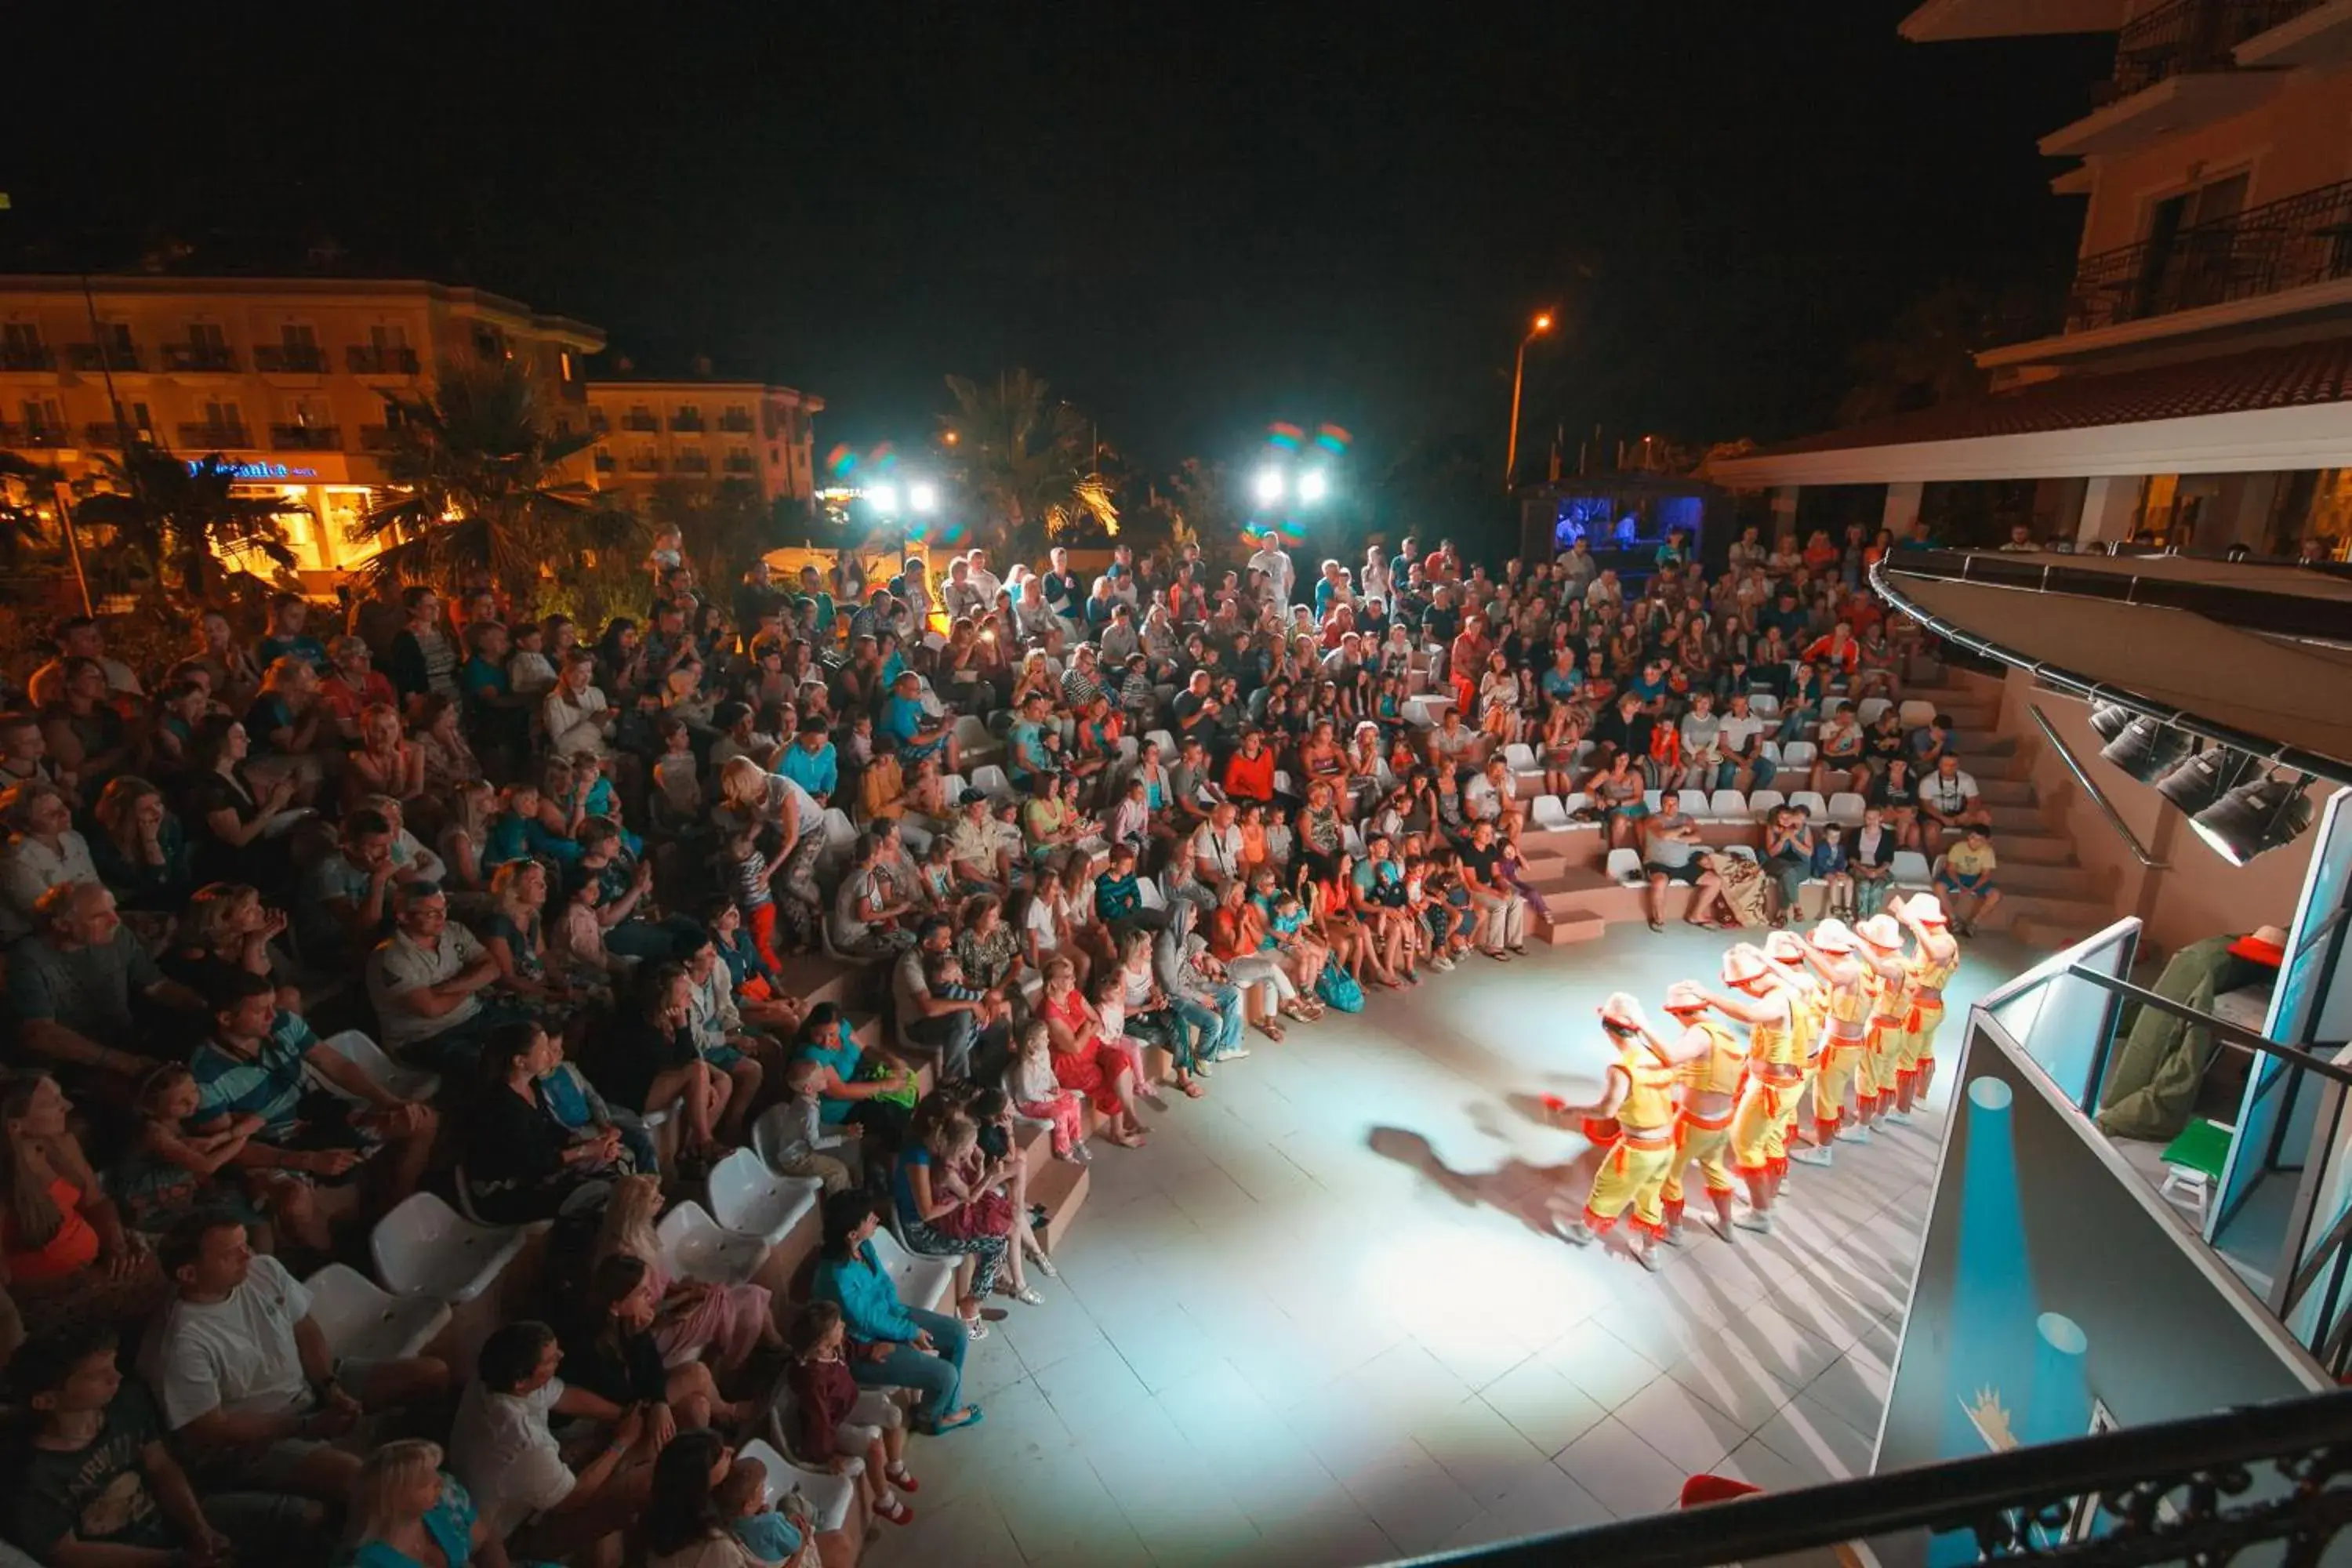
x=1926, y=908
x=1743, y=963
x=1831, y=935
x=1686, y=996
x=1623, y=1010
x=1881, y=932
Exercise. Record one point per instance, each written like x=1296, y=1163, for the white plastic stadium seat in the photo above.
x=951, y=788
x=364, y=1322
x=1869, y=708
x=1799, y=754
x=828, y=1494
x=924, y=1282
x=1283, y=784
x=971, y=734
x=1574, y=801
x=424, y=1248
x=1846, y=807
x=1745, y=851
x=1166, y=742
x=1351, y=841
x=1655, y=800
x=1129, y=748
x=1764, y=705
x=1625, y=868
x=1692, y=802
x=990, y=780
x=1762, y=803
x=916, y=837
x=1149, y=889
x=746, y=1194
x=840, y=833
x=1727, y=805
x=1520, y=756
x=356, y=1047
x=1910, y=868
x=1815, y=806
x=1917, y=713
x=1549, y=813
x=695, y=1247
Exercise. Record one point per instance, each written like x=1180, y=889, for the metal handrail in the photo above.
x=2302, y=1058
x=2098, y=795
x=2171, y=1485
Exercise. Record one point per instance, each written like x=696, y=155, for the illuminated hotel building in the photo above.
x=703, y=433
x=285, y=377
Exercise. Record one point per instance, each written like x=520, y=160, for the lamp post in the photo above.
x=1518, y=375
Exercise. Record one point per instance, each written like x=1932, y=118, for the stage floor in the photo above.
x=1317, y=1321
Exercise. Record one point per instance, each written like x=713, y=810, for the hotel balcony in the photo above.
x=115, y=356
x=204, y=437
x=27, y=357
x=207, y=358
x=105, y=433
x=644, y=465
x=306, y=438
x=290, y=358
x=2179, y=68
x=687, y=422
x=693, y=463
x=2288, y=244
x=645, y=422
x=735, y=424
x=739, y=463
x=34, y=436
x=371, y=359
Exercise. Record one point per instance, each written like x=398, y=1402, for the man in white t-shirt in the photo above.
x=1275, y=562
x=1216, y=851
x=504, y=1450
x=1948, y=798
x=249, y=1386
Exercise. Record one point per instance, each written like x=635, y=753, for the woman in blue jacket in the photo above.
x=893, y=1345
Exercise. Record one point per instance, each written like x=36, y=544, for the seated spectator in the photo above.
x=427, y=981
x=684, y=1525
x=93, y=1481
x=67, y=1255
x=1948, y=802
x=950, y=1030
x=72, y=985
x=875, y=1097
x=720, y=1325
x=290, y=614
x=1672, y=852
x=504, y=1448
x=80, y=637
x=352, y=686
x=284, y=724
x=893, y=1345
x=141, y=850
x=646, y=1060
x=610, y=1346
x=245, y=1378
x=225, y=929
x=43, y=851
x=406, y=1512
x=385, y=760
x=85, y=730
x=1788, y=856
x=1870, y=861
x=234, y=811
x=345, y=899
x=860, y=1432
x=1966, y=879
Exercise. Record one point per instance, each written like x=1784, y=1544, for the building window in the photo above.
x=21, y=347
x=686, y=416
x=639, y=417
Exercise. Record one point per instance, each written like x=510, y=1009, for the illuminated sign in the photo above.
x=263, y=471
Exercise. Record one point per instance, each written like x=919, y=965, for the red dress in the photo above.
x=1090, y=1070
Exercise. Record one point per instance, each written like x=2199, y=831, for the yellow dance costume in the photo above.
x=1706, y=1142
x=1844, y=1051
x=1776, y=1054
x=1889, y=1007
x=1633, y=1171
x=1808, y=1014
x=1926, y=975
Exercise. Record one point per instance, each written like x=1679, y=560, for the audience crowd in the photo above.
x=463, y=905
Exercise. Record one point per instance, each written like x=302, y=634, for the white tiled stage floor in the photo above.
x=1317, y=1321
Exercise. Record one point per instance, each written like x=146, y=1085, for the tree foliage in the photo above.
x=176, y=525
x=23, y=536
x=1028, y=461
x=478, y=478
x=1927, y=355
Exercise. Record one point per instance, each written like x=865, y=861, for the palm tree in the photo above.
x=22, y=533
x=723, y=527
x=1031, y=462
x=180, y=524
x=478, y=475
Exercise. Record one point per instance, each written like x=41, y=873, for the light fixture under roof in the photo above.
x=2197, y=783
x=2255, y=818
x=2147, y=749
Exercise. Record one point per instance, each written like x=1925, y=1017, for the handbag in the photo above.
x=1339, y=989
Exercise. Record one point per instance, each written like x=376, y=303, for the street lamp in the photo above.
x=1519, y=374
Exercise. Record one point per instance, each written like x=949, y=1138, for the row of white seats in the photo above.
x=1555, y=812
x=1910, y=868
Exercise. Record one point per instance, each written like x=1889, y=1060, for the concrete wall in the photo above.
x=2050, y=1277
x=2198, y=893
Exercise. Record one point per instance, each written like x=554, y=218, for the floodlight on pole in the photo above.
x=1518, y=375
x=1267, y=486
x=923, y=496
x=883, y=498
x=1313, y=485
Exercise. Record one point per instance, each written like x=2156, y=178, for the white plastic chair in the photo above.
x=361, y=1321
x=1764, y=705
x=1654, y=799
x=1868, y=710
x=695, y=1247
x=1521, y=757
x=951, y=788
x=1549, y=813
x=1910, y=869
x=1745, y=851
x=1574, y=801
x=424, y=1248
x=971, y=734
x=1351, y=840
x=1165, y=742
x=991, y=780
x=1762, y=803
x=1149, y=889
x=1625, y=868
x=747, y=1195
x=840, y=833
x=1693, y=802
x=354, y=1046
x=922, y=1281
x=1916, y=713
x=1846, y=808
x=1813, y=803
x=915, y=837
x=1727, y=805
x=934, y=641
x=1799, y=754
x=1129, y=748
x=1283, y=784
x=830, y=1495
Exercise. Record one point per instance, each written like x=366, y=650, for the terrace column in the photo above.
x=1784, y=510
x=1902, y=507
x=2110, y=508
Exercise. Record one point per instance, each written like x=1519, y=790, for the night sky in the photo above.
x=1191, y=221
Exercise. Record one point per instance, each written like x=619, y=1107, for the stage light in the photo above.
x=2204, y=778
x=923, y=496
x=2255, y=818
x=1267, y=486
x=2147, y=749
x=883, y=498
x=2110, y=720
x=1313, y=485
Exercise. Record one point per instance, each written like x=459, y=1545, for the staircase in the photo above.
x=2048, y=899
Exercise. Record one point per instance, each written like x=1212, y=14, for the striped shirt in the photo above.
x=268, y=1084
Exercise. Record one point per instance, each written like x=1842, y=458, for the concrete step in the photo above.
x=1036, y=1147
x=2018, y=817
x=2009, y=765
x=1972, y=743
x=2054, y=935
x=2032, y=847
x=2050, y=913
x=2024, y=877
x=1569, y=925
x=812, y=977
x=1998, y=790
x=1061, y=1189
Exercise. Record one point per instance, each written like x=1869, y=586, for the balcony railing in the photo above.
x=645, y=465
x=692, y=421
x=737, y=463
x=106, y=433
x=2186, y=36
x=290, y=358
x=215, y=437
x=35, y=435
x=639, y=422
x=2286, y=243
x=306, y=438
x=27, y=357
x=735, y=424
x=693, y=463
x=112, y=356
x=199, y=357
x=372, y=359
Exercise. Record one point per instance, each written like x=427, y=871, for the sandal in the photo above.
x=975, y=1328
x=898, y=1512
x=1191, y=1088
x=1271, y=1030
x=1027, y=1295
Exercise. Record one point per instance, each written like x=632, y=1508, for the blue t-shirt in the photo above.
x=269, y=1085
x=902, y=721
x=450, y=1523
x=842, y=1056
x=769, y=1537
